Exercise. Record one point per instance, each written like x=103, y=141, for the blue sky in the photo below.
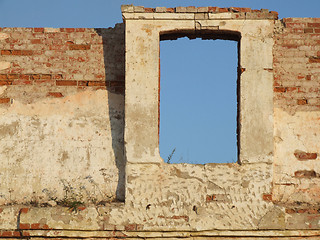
x=198, y=77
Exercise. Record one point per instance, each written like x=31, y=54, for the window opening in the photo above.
x=198, y=101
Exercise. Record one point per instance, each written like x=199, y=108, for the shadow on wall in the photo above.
x=114, y=61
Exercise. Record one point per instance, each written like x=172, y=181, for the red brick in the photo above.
x=308, y=30
x=13, y=76
x=24, y=210
x=24, y=226
x=81, y=208
x=55, y=94
x=276, y=14
x=40, y=30
x=16, y=234
x=46, y=76
x=22, y=82
x=149, y=10
x=69, y=30
x=83, y=83
x=79, y=47
x=24, y=77
x=35, y=76
x=6, y=52
x=314, y=60
x=3, y=77
x=245, y=9
x=290, y=210
x=16, y=52
x=6, y=234
x=280, y=89
x=36, y=41
x=4, y=100
x=100, y=76
x=314, y=25
x=305, y=174
x=170, y=10
x=130, y=227
x=223, y=10
x=296, y=25
x=44, y=81
x=80, y=29
x=317, y=30
x=35, y=226
x=302, y=156
x=5, y=82
x=96, y=83
x=286, y=20
x=25, y=234
x=212, y=9
x=302, y=210
x=22, y=52
x=308, y=77
x=267, y=197
x=302, y=101
x=57, y=76
x=66, y=83
x=291, y=89
x=313, y=211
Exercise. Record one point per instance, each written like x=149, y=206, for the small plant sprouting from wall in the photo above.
x=72, y=199
x=170, y=156
x=88, y=192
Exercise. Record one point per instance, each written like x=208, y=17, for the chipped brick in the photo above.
x=303, y=156
x=305, y=174
x=55, y=94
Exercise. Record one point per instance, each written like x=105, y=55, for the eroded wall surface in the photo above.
x=79, y=124
x=296, y=112
x=61, y=126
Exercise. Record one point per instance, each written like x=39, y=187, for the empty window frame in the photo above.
x=198, y=99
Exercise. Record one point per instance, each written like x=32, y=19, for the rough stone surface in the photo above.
x=79, y=141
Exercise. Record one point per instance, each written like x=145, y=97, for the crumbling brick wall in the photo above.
x=296, y=99
x=62, y=93
x=63, y=152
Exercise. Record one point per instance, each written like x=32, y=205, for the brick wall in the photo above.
x=297, y=104
x=55, y=57
x=296, y=64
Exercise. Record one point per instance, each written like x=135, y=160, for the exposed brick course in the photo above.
x=295, y=64
x=63, y=57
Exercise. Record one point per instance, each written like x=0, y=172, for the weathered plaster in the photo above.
x=73, y=145
x=61, y=151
